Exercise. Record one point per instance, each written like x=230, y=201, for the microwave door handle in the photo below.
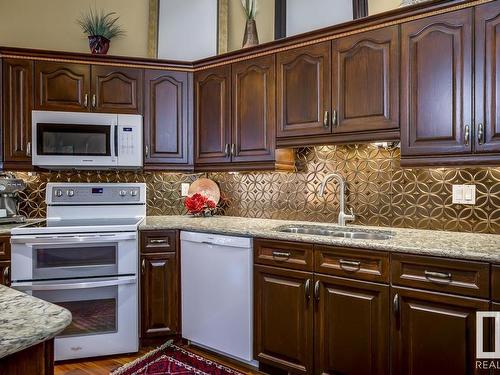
x=81, y=285
x=116, y=140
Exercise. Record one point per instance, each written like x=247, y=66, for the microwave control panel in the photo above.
x=129, y=138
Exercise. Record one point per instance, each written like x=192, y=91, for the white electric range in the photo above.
x=84, y=257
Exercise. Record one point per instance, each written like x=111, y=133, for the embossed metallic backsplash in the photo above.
x=379, y=191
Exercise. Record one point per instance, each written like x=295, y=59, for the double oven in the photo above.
x=87, y=265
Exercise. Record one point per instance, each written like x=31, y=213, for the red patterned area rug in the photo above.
x=171, y=359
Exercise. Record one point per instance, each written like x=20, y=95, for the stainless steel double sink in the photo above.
x=341, y=232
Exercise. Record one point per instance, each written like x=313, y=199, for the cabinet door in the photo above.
x=283, y=318
x=351, y=327
x=5, y=273
x=62, y=86
x=116, y=89
x=18, y=103
x=366, y=81
x=159, y=295
x=213, y=115
x=434, y=333
x=167, y=135
x=304, y=90
x=254, y=115
x=436, y=60
x=487, y=78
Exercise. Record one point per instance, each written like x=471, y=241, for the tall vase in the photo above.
x=250, y=38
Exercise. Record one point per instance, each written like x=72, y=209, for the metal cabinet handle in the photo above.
x=325, y=119
x=86, y=100
x=438, y=277
x=28, y=149
x=308, y=289
x=334, y=117
x=147, y=151
x=481, y=139
x=316, y=290
x=395, y=304
x=467, y=135
x=281, y=254
x=143, y=266
x=94, y=101
x=157, y=241
x=233, y=149
x=6, y=275
x=226, y=150
x=349, y=265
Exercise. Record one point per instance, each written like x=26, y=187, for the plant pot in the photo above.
x=99, y=45
x=250, y=38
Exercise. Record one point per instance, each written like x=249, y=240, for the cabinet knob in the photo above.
x=28, y=149
x=226, y=150
x=6, y=275
x=233, y=149
x=147, y=150
x=467, y=135
x=334, y=117
x=481, y=134
x=307, y=289
x=86, y=100
x=94, y=101
x=316, y=290
x=143, y=266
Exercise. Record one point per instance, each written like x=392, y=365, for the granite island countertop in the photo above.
x=459, y=245
x=26, y=321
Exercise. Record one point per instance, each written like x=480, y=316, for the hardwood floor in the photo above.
x=104, y=365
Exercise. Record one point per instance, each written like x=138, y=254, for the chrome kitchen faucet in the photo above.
x=343, y=217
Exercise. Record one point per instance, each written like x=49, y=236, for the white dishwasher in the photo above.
x=217, y=293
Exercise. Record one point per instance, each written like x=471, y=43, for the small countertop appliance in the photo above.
x=9, y=186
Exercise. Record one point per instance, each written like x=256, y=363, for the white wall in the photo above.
x=187, y=29
x=302, y=16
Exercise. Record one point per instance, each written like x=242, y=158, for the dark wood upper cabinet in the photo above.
x=351, y=327
x=159, y=295
x=17, y=106
x=283, y=316
x=487, y=66
x=212, y=97
x=62, y=86
x=167, y=132
x=434, y=334
x=304, y=91
x=365, y=81
x=116, y=89
x=254, y=109
x=436, y=96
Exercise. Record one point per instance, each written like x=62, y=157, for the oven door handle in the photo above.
x=81, y=285
x=60, y=240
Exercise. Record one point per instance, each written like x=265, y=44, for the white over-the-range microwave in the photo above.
x=78, y=140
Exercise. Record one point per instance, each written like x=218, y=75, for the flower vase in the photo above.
x=250, y=38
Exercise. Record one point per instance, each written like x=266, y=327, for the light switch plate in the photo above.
x=184, y=189
x=464, y=194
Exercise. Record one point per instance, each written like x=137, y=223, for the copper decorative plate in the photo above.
x=206, y=187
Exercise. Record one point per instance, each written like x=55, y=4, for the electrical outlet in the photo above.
x=184, y=189
x=464, y=194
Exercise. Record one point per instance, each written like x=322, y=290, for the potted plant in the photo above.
x=250, y=38
x=100, y=27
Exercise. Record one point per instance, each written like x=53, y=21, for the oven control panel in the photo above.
x=106, y=193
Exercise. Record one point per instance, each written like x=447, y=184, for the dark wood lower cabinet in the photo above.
x=159, y=295
x=351, y=327
x=434, y=334
x=37, y=359
x=283, y=316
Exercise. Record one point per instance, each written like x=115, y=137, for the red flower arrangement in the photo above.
x=198, y=204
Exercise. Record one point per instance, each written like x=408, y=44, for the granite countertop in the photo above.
x=26, y=321
x=481, y=247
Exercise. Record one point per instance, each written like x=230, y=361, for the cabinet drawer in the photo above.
x=442, y=275
x=284, y=254
x=158, y=241
x=5, y=248
x=353, y=263
x=495, y=283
